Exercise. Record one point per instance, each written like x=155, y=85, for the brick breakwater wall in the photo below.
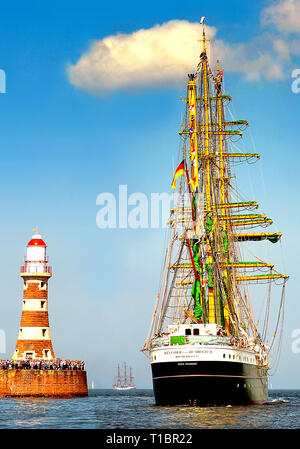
x=43, y=383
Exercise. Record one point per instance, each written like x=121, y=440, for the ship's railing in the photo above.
x=40, y=364
x=40, y=268
x=209, y=340
x=191, y=340
x=160, y=341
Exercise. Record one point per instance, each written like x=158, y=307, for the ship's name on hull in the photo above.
x=187, y=353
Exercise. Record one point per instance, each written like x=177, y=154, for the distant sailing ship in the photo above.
x=204, y=345
x=124, y=381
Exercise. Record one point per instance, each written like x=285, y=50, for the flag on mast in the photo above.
x=178, y=172
x=193, y=183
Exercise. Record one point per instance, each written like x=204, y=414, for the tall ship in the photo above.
x=204, y=344
x=124, y=379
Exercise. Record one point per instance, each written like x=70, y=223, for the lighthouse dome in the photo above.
x=36, y=241
x=36, y=249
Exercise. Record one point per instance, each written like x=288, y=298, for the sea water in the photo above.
x=136, y=409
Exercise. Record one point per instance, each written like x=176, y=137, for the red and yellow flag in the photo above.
x=179, y=171
x=193, y=183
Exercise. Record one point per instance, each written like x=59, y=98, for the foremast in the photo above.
x=203, y=283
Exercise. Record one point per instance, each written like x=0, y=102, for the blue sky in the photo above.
x=61, y=146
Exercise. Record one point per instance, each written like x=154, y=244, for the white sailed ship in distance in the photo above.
x=124, y=379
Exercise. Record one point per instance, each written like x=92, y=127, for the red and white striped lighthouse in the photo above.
x=34, y=339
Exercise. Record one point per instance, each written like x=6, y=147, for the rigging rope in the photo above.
x=277, y=355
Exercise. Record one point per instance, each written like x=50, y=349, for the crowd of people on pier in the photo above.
x=51, y=364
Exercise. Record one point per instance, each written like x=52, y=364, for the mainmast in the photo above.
x=211, y=292
x=203, y=56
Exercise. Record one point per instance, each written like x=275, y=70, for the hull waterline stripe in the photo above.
x=211, y=375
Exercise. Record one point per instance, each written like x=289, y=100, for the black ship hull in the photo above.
x=209, y=383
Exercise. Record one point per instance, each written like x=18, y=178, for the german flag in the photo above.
x=179, y=171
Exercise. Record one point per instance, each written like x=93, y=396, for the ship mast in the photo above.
x=119, y=376
x=203, y=275
x=211, y=293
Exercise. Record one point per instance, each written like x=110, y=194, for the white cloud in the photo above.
x=285, y=15
x=282, y=48
x=253, y=64
x=164, y=54
x=295, y=47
